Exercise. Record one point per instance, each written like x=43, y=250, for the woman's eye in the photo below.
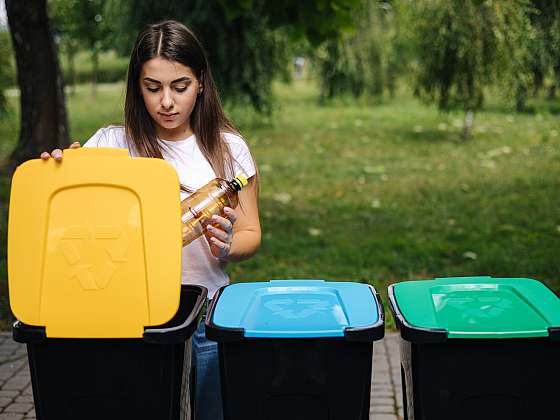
x=152, y=89
x=180, y=88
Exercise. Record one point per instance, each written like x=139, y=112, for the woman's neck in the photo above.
x=175, y=134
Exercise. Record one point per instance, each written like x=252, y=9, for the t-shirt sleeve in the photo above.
x=107, y=137
x=243, y=163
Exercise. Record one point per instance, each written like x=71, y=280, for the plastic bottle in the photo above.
x=200, y=206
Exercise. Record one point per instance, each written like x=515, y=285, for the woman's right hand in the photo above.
x=56, y=154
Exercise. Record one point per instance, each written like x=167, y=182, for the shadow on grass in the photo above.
x=427, y=135
x=533, y=107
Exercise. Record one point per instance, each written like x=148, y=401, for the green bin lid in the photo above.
x=477, y=307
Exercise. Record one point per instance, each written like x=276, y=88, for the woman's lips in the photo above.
x=168, y=117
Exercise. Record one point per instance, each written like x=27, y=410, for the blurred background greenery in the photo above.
x=395, y=139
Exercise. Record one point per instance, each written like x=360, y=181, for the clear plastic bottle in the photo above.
x=201, y=205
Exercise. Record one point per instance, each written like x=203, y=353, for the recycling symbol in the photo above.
x=286, y=308
x=93, y=253
x=487, y=307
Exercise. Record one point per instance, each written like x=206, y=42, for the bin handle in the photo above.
x=215, y=332
x=371, y=332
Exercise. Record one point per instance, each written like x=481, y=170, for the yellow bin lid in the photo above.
x=94, y=244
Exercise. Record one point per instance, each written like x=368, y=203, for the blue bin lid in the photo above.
x=296, y=308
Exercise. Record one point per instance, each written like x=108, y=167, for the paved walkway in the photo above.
x=16, y=395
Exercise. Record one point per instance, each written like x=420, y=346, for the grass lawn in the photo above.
x=381, y=193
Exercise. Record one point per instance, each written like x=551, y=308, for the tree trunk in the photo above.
x=467, y=125
x=555, y=81
x=71, y=54
x=43, y=110
x=551, y=92
x=520, y=99
x=95, y=69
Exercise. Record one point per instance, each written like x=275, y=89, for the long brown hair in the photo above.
x=175, y=42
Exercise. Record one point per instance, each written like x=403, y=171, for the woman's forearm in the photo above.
x=244, y=245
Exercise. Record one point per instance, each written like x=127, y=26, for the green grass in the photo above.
x=384, y=193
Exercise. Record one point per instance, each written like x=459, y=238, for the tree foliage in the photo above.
x=248, y=41
x=544, y=51
x=464, y=46
x=314, y=20
x=80, y=25
x=366, y=61
x=452, y=50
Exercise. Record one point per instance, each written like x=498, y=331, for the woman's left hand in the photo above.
x=219, y=233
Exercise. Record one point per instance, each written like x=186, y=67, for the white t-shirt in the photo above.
x=200, y=267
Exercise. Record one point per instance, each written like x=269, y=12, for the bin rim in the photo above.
x=182, y=332
x=32, y=334
x=368, y=333
x=408, y=331
x=217, y=333
x=422, y=335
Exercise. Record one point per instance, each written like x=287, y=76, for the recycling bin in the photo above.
x=94, y=276
x=295, y=349
x=478, y=347
x=145, y=378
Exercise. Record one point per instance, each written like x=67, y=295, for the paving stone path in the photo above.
x=386, y=401
x=16, y=395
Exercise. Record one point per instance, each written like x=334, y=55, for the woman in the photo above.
x=172, y=112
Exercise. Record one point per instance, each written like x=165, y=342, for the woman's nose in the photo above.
x=167, y=99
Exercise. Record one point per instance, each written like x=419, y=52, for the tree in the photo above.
x=545, y=50
x=43, y=110
x=465, y=46
x=362, y=62
x=248, y=41
x=65, y=22
x=81, y=24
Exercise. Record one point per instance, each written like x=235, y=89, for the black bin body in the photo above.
x=120, y=379
x=322, y=378
x=483, y=380
x=296, y=379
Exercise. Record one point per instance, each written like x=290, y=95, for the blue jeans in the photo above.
x=208, y=393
